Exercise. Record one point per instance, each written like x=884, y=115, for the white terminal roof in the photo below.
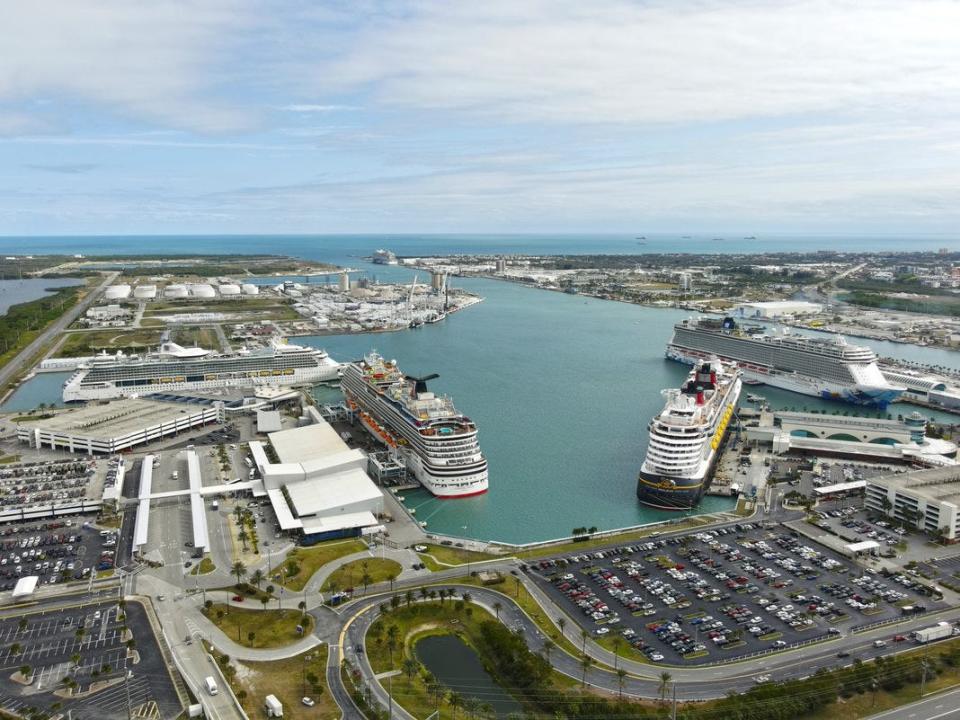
x=332, y=493
x=25, y=587
x=306, y=443
x=840, y=487
x=268, y=421
x=332, y=523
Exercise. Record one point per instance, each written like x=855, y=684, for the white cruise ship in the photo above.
x=438, y=444
x=176, y=369
x=384, y=257
x=685, y=437
x=827, y=368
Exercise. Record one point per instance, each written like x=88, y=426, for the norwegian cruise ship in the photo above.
x=827, y=368
x=175, y=369
x=686, y=435
x=438, y=444
x=384, y=257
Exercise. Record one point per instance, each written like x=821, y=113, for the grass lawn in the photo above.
x=285, y=679
x=271, y=628
x=311, y=559
x=89, y=343
x=201, y=336
x=350, y=575
x=447, y=556
x=203, y=567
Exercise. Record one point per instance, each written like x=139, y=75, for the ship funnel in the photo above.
x=420, y=383
x=699, y=396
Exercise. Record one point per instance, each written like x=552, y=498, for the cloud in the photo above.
x=317, y=108
x=63, y=168
x=564, y=61
x=161, y=61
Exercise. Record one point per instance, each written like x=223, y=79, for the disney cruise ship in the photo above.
x=176, y=369
x=828, y=368
x=686, y=435
x=437, y=443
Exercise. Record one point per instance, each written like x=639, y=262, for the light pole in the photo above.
x=464, y=528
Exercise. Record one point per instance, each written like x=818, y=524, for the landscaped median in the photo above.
x=442, y=557
x=361, y=573
x=302, y=562
x=260, y=628
x=203, y=567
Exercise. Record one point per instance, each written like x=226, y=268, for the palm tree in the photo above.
x=497, y=607
x=239, y=570
x=561, y=623
x=264, y=600
x=586, y=662
x=16, y=649
x=391, y=577
x=22, y=625
x=583, y=638
x=617, y=641
x=365, y=580
x=467, y=597
x=408, y=596
x=243, y=537
x=548, y=646
x=410, y=667
x=80, y=633
x=665, y=679
x=75, y=659
x=250, y=636
x=257, y=577
x=393, y=636
x=424, y=593
x=443, y=595
x=25, y=671
x=621, y=676
x=471, y=706
x=456, y=701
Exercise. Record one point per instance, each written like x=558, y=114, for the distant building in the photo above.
x=928, y=498
x=685, y=283
x=776, y=309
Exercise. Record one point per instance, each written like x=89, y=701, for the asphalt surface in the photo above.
x=942, y=706
x=12, y=368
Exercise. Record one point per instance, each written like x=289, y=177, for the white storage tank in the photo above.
x=249, y=289
x=176, y=291
x=117, y=292
x=202, y=290
x=145, y=292
x=229, y=289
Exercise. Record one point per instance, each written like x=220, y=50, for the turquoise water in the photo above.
x=41, y=388
x=560, y=386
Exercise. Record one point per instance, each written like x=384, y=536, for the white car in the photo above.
x=656, y=657
x=761, y=679
x=602, y=631
x=308, y=701
x=420, y=548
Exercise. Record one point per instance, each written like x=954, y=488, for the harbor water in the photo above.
x=561, y=386
x=14, y=292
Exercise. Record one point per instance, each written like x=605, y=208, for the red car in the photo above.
x=238, y=598
x=899, y=638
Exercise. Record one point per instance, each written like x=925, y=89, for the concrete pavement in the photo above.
x=942, y=706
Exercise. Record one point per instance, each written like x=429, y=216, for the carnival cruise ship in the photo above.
x=438, y=444
x=827, y=368
x=685, y=437
x=176, y=369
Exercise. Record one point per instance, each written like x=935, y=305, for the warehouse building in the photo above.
x=319, y=487
x=119, y=425
x=929, y=499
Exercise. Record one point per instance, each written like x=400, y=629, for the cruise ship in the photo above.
x=686, y=436
x=828, y=368
x=438, y=444
x=177, y=369
x=384, y=257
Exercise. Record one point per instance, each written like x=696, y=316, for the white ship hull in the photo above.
x=794, y=382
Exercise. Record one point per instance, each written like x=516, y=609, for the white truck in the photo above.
x=937, y=632
x=211, y=684
x=273, y=706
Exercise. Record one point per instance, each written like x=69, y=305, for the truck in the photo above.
x=215, y=505
x=937, y=632
x=211, y=684
x=273, y=706
x=248, y=461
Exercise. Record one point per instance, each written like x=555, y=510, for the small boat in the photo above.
x=755, y=398
x=752, y=381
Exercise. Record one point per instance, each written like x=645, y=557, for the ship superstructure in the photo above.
x=829, y=368
x=384, y=257
x=177, y=369
x=438, y=444
x=685, y=437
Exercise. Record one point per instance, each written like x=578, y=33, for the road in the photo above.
x=942, y=706
x=12, y=368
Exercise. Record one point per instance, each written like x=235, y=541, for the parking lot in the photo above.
x=715, y=595
x=85, y=658
x=55, y=550
x=59, y=482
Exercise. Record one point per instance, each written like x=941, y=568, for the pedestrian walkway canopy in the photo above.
x=142, y=524
x=840, y=488
x=201, y=538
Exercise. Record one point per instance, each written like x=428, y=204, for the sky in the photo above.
x=423, y=116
